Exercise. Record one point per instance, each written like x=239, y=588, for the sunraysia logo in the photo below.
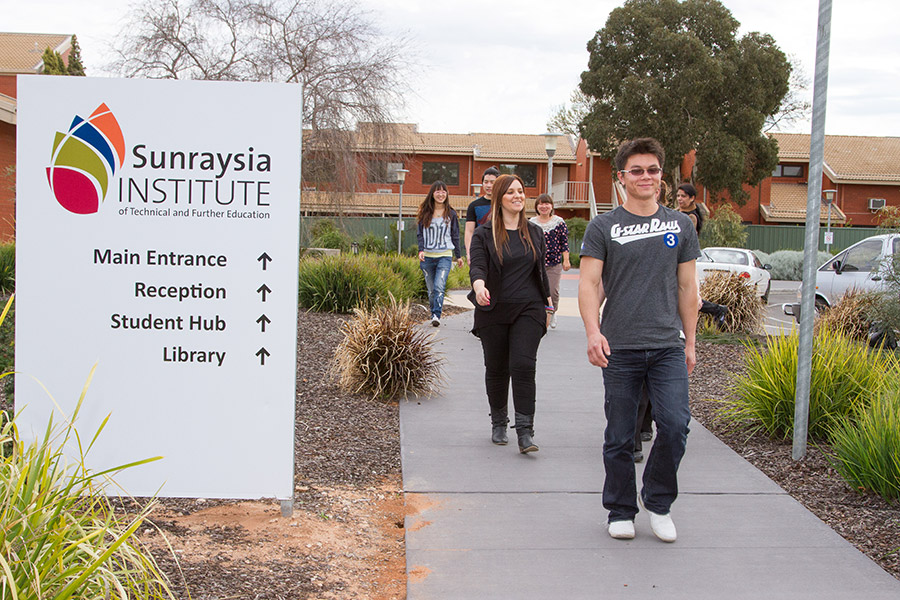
x=84, y=160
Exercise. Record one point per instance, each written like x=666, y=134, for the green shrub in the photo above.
x=723, y=228
x=459, y=278
x=844, y=375
x=7, y=268
x=342, y=283
x=8, y=352
x=867, y=450
x=322, y=227
x=745, y=310
x=60, y=536
x=371, y=244
x=409, y=271
x=386, y=354
x=787, y=265
x=332, y=239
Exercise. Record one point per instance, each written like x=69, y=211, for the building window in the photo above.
x=381, y=171
x=788, y=171
x=528, y=173
x=440, y=171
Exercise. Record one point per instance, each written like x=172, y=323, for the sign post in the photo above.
x=158, y=238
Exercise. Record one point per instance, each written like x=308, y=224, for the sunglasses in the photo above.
x=639, y=172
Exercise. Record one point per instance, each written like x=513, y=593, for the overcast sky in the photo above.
x=499, y=66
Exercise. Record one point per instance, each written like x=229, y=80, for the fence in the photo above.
x=769, y=238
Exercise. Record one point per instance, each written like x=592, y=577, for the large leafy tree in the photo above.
x=676, y=71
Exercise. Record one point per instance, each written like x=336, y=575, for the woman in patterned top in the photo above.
x=557, y=235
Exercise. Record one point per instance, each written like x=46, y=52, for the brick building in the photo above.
x=20, y=54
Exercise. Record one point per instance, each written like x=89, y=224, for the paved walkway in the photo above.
x=497, y=524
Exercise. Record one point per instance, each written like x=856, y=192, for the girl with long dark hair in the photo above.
x=438, y=238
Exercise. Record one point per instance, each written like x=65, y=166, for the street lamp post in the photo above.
x=550, y=146
x=829, y=237
x=401, y=177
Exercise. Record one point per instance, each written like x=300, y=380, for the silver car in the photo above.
x=736, y=260
x=859, y=266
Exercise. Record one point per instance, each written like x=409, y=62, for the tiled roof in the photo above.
x=787, y=204
x=404, y=138
x=21, y=52
x=847, y=158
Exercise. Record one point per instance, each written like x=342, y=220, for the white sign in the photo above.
x=158, y=237
x=829, y=238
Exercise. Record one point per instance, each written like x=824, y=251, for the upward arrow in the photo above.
x=264, y=259
x=264, y=289
x=262, y=353
x=263, y=320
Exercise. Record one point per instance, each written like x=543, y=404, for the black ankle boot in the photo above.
x=525, y=432
x=499, y=421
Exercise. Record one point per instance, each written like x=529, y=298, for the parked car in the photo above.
x=859, y=266
x=736, y=260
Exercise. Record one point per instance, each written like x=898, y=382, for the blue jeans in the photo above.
x=665, y=374
x=436, y=271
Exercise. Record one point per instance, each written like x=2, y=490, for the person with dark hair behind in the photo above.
x=438, y=238
x=479, y=209
x=556, y=234
x=687, y=203
x=511, y=295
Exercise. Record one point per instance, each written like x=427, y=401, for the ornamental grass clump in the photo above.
x=845, y=375
x=867, y=450
x=745, y=309
x=60, y=536
x=852, y=314
x=386, y=354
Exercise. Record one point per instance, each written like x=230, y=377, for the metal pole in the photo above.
x=549, y=173
x=828, y=231
x=813, y=208
x=400, y=222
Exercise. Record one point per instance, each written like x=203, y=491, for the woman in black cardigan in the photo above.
x=511, y=295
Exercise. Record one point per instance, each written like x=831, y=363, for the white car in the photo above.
x=859, y=266
x=736, y=260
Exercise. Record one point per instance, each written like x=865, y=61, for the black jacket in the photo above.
x=485, y=264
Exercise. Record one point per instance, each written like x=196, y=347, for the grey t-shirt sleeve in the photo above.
x=594, y=242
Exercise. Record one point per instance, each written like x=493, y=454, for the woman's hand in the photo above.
x=422, y=256
x=459, y=262
x=482, y=295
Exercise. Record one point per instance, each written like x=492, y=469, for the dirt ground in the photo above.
x=346, y=536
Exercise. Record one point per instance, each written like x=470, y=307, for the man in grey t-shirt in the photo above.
x=641, y=258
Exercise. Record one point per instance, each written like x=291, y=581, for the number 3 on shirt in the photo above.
x=671, y=240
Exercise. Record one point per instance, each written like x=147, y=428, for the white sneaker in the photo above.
x=553, y=321
x=435, y=321
x=662, y=525
x=621, y=530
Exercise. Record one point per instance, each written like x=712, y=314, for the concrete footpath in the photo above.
x=493, y=523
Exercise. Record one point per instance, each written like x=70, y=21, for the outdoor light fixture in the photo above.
x=401, y=177
x=550, y=140
x=829, y=236
x=476, y=188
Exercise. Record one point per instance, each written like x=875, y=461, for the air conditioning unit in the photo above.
x=876, y=203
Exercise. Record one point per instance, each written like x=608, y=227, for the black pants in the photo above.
x=510, y=352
